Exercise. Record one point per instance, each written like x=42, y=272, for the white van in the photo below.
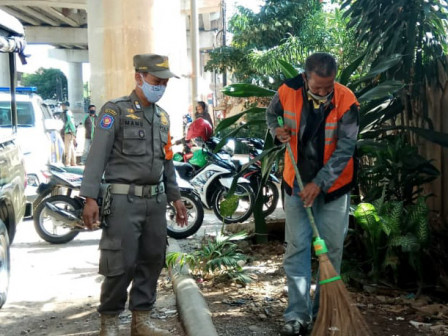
x=38, y=134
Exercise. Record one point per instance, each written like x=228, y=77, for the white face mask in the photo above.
x=152, y=92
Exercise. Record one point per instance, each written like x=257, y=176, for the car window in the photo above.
x=46, y=111
x=25, y=115
x=5, y=117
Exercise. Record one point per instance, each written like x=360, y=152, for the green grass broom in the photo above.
x=337, y=315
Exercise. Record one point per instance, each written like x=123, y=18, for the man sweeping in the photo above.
x=321, y=125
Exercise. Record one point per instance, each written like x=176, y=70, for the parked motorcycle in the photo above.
x=195, y=157
x=61, y=192
x=253, y=173
x=198, y=159
x=195, y=212
x=58, y=214
x=213, y=182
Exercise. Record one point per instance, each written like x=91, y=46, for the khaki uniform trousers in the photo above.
x=132, y=248
x=70, y=156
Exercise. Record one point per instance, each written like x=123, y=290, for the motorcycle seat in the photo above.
x=185, y=170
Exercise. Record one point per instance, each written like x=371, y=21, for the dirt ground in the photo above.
x=54, y=292
x=257, y=308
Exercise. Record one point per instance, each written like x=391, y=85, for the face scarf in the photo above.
x=317, y=100
x=152, y=92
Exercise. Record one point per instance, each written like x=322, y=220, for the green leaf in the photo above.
x=224, y=140
x=227, y=122
x=366, y=216
x=246, y=90
x=228, y=206
x=383, y=66
x=347, y=72
x=386, y=88
x=288, y=70
x=431, y=135
x=407, y=243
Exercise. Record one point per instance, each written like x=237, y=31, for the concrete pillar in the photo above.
x=4, y=70
x=194, y=32
x=120, y=29
x=117, y=31
x=75, y=90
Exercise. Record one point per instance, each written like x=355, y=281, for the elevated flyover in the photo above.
x=107, y=33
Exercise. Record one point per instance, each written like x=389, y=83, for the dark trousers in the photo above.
x=132, y=249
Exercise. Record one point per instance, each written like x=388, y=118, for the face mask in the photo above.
x=321, y=99
x=92, y=112
x=152, y=92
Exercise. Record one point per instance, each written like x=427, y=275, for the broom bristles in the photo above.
x=337, y=315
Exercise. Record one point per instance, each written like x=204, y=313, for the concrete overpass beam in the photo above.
x=69, y=55
x=76, y=4
x=53, y=35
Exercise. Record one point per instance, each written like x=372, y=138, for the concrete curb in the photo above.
x=193, y=310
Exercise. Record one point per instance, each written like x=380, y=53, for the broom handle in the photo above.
x=308, y=210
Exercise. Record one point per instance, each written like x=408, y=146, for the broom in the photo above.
x=337, y=315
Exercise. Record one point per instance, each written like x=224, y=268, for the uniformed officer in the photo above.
x=132, y=147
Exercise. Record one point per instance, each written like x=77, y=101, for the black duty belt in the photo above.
x=139, y=190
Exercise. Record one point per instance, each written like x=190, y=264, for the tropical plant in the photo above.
x=404, y=45
x=396, y=235
x=217, y=257
x=394, y=167
x=271, y=153
x=372, y=236
x=283, y=29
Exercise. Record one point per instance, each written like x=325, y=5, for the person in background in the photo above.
x=321, y=121
x=186, y=121
x=69, y=134
x=89, y=126
x=202, y=112
x=132, y=147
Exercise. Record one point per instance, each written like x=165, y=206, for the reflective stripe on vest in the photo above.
x=292, y=102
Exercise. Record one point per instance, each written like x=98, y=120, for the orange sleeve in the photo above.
x=168, y=148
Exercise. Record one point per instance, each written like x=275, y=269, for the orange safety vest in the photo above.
x=292, y=102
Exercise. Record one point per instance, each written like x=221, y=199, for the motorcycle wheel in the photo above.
x=195, y=215
x=56, y=190
x=50, y=229
x=270, y=198
x=245, y=203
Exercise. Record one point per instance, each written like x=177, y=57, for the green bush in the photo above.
x=217, y=258
x=395, y=236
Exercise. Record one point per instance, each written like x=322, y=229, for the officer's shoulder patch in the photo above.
x=110, y=111
x=107, y=121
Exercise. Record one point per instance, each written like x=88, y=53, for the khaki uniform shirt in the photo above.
x=132, y=145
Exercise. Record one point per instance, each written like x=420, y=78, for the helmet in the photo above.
x=187, y=118
x=200, y=128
